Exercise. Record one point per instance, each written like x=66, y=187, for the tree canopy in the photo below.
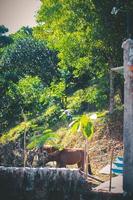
x=28, y=56
x=4, y=39
x=62, y=63
x=71, y=27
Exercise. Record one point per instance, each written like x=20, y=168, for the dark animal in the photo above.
x=68, y=157
x=49, y=149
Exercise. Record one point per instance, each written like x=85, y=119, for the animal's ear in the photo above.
x=45, y=153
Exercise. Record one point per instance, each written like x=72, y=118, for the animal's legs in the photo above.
x=61, y=164
x=80, y=165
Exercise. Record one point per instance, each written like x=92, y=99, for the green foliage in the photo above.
x=76, y=100
x=55, y=93
x=25, y=56
x=10, y=101
x=83, y=125
x=4, y=39
x=25, y=94
x=89, y=99
x=24, y=32
x=57, y=89
x=97, y=97
x=83, y=33
x=35, y=126
x=86, y=126
x=86, y=38
x=39, y=140
x=15, y=132
x=28, y=56
x=36, y=135
x=52, y=115
x=30, y=95
x=30, y=89
x=70, y=27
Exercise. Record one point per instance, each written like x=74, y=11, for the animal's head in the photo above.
x=49, y=149
x=46, y=156
x=52, y=156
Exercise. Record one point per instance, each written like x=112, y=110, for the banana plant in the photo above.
x=85, y=126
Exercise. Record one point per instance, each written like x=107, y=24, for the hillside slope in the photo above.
x=107, y=136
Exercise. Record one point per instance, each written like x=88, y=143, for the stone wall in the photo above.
x=41, y=184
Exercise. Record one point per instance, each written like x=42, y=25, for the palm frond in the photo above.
x=40, y=140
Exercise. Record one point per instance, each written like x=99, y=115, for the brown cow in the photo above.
x=49, y=149
x=68, y=157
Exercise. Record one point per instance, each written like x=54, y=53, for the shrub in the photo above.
x=52, y=114
x=90, y=99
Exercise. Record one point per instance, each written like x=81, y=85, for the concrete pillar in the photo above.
x=128, y=117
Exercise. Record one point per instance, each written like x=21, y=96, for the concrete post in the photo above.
x=128, y=117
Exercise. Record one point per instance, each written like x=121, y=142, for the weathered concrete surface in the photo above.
x=101, y=192
x=41, y=184
x=93, y=195
x=49, y=184
x=116, y=186
x=128, y=116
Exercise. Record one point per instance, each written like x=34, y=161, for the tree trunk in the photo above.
x=86, y=158
x=111, y=106
x=24, y=150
